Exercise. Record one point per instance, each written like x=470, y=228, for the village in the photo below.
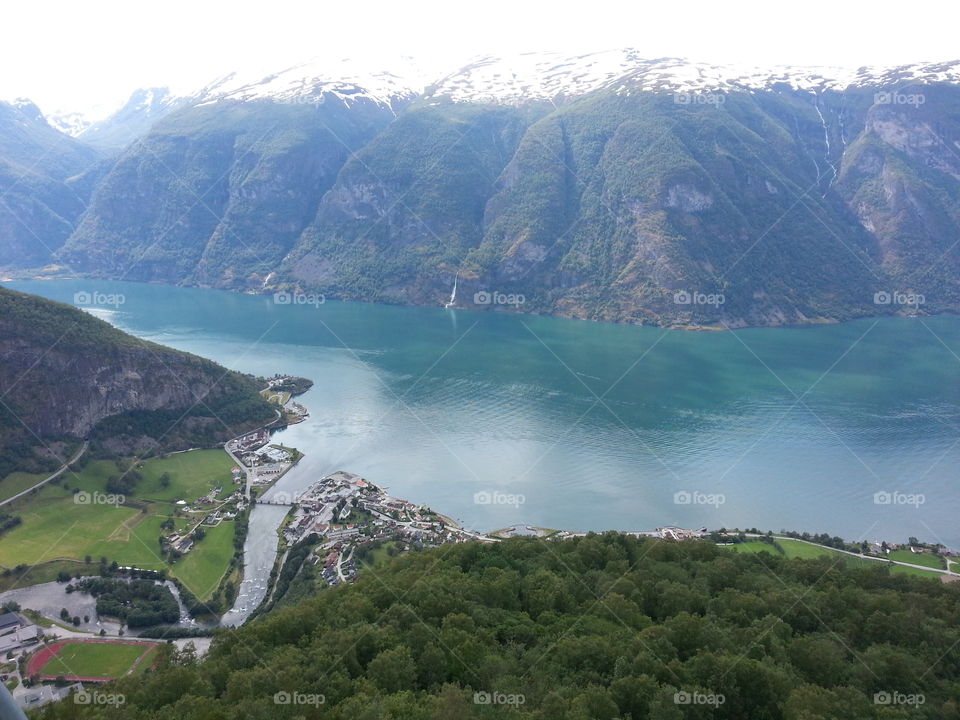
x=351, y=515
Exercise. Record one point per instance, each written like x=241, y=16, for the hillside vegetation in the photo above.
x=605, y=627
x=66, y=375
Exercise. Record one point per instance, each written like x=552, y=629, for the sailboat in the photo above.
x=453, y=295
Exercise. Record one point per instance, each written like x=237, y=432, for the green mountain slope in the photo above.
x=218, y=194
x=65, y=374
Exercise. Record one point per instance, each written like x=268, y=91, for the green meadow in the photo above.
x=797, y=549
x=57, y=528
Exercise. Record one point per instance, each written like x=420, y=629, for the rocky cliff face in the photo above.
x=218, y=195
x=64, y=373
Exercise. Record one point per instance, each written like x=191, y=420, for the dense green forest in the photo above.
x=606, y=626
x=138, y=603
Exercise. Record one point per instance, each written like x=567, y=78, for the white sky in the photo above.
x=69, y=55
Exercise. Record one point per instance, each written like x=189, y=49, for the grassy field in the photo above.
x=148, y=660
x=93, y=659
x=380, y=556
x=797, y=549
x=18, y=482
x=917, y=572
x=191, y=474
x=202, y=568
x=754, y=546
x=56, y=528
x=46, y=572
x=280, y=398
x=930, y=561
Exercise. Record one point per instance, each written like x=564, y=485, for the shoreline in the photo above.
x=686, y=327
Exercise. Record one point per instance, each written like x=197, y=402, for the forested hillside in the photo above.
x=602, y=627
x=66, y=375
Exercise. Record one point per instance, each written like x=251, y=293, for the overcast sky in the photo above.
x=76, y=55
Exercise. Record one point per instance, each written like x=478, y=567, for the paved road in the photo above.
x=57, y=474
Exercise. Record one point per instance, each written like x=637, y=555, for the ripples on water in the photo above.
x=877, y=410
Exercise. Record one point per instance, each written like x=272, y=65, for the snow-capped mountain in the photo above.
x=499, y=80
x=372, y=183
x=548, y=76
x=346, y=79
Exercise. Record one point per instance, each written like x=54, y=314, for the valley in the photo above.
x=412, y=382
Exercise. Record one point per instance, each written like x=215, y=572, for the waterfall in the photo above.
x=826, y=138
x=453, y=295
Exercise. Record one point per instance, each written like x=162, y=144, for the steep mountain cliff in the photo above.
x=67, y=374
x=602, y=186
x=218, y=194
x=41, y=188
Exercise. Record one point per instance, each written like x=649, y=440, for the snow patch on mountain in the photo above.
x=551, y=76
x=347, y=79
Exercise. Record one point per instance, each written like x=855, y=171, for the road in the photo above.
x=57, y=474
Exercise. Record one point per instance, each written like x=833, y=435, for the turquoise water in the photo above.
x=595, y=426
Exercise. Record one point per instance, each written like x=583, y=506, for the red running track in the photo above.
x=45, y=654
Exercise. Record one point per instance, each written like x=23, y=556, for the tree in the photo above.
x=393, y=670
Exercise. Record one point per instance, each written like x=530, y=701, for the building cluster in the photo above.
x=208, y=510
x=350, y=515
x=19, y=637
x=670, y=532
x=17, y=633
x=257, y=459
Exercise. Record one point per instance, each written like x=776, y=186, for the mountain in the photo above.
x=42, y=185
x=603, y=627
x=218, y=193
x=604, y=186
x=131, y=121
x=67, y=375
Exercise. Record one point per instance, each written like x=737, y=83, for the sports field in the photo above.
x=89, y=659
